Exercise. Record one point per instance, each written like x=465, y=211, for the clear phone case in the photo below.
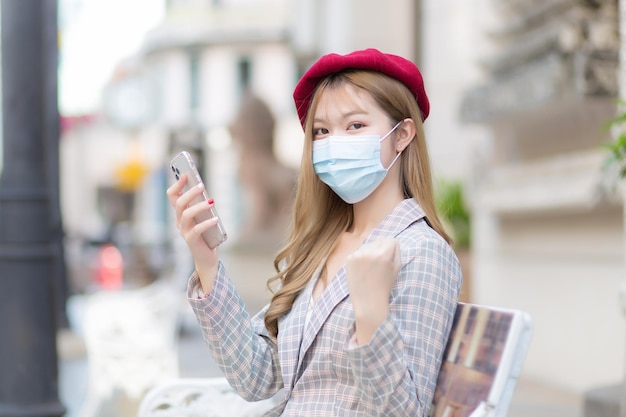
x=183, y=164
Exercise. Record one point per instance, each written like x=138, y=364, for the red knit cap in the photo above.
x=393, y=66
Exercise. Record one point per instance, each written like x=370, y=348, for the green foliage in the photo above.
x=451, y=206
x=617, y=155
x=615, y=161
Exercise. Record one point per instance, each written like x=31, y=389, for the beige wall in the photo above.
x=341, y=26
x=547, y=238
x=565, y=270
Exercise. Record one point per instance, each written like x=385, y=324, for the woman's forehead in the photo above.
x=344, y=99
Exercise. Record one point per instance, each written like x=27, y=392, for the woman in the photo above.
x=367, y=283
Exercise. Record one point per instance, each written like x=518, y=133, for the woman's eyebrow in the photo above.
x=354, y=113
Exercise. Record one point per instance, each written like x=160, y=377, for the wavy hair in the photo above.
x=320, y=216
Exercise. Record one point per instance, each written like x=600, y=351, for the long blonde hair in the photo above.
x=320, y=216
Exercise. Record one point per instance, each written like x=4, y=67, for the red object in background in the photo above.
x=69, y=123
x=110, y=268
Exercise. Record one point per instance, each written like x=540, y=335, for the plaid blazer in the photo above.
x=313, y=363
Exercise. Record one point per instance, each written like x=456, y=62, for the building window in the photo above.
x=194, y=82
x=244, y=68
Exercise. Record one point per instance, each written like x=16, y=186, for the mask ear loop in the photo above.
x=391, y=131
x=385, y=137
x=394, y=160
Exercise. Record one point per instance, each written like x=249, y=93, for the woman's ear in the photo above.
x=405, y=134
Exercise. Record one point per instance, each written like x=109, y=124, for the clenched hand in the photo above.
x=371, y=272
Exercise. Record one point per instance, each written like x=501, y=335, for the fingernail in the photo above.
x=200, y=185
x=210, y=201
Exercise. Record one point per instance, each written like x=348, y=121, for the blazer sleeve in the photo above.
x=397, y=370
x=238, y=342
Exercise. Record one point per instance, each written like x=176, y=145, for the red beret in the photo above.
x=393, y=66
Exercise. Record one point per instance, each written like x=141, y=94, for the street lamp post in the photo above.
x=52, y=133
x=28, y=354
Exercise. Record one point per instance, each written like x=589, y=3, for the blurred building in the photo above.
x=183, y=90
x=548, y=232
x=520, y=91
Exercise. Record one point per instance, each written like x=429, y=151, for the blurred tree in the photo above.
x=451, y=206
x=615, y=161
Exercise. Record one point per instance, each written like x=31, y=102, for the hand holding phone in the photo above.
x=183, y=164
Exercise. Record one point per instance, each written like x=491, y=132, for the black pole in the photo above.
x=28, y=355
x=52, y=134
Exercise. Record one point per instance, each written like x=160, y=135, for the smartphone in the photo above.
x=183, y=164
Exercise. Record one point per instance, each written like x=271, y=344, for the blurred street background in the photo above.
x=526, y=143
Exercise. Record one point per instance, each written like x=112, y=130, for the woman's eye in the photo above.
x=320, y=131
x=355, y=126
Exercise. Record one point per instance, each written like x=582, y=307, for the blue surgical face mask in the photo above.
x=350, y=165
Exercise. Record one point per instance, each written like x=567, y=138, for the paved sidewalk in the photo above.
x=531, y=399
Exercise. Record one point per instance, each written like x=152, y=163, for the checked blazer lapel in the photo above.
x=336, y=292
x=291, y=333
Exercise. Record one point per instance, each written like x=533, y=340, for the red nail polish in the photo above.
x=211, y=201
